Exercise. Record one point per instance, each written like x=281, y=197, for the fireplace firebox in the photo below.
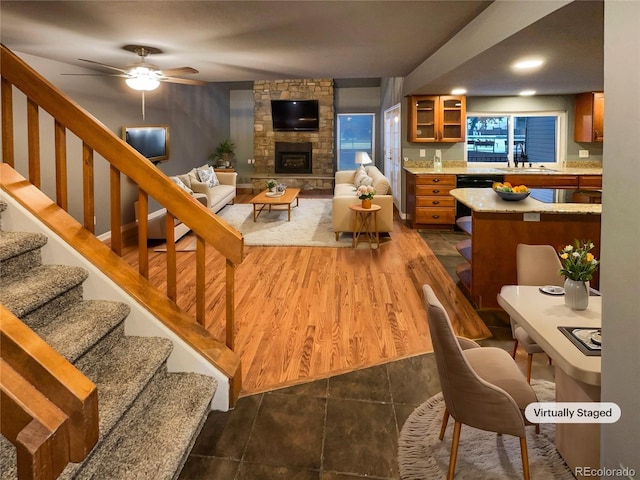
x=293, y=157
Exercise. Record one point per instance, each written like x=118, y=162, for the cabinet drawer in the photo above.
x=449, y=180
x=435, y=215
x=590, y=181
x=433, y=190
x=435, y=201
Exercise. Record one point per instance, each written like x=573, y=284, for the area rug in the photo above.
x=311, y=225
x=481, y=455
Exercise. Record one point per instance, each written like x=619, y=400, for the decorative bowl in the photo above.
x=512, y=196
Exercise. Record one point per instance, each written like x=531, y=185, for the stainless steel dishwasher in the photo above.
x=473, y=181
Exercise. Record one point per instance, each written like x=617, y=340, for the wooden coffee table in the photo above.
x=261, y=200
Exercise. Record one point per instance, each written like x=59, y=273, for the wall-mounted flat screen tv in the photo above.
x=295, y=115
x=152, y=141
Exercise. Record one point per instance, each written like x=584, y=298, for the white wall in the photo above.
x=620, y=270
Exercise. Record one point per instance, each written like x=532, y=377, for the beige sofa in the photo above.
x=344, y=194
x=213, y=198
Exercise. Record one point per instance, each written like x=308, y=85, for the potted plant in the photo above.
x=271, y=185
x=224, y=153
x=365, y=193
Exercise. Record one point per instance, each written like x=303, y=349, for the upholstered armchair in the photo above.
x=482, y=386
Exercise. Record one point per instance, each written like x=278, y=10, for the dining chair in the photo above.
x=535, y=265
x=482, y=386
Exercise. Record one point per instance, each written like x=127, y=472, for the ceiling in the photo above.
x=252, y=40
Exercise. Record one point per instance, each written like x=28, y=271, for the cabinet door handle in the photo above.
x=435, y=216
x=436, y=191
x=436, y=202
x=436, y=180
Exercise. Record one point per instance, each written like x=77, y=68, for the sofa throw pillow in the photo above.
x=361, y=178
x=181, y=184
x=208, y=176
x=381, y=185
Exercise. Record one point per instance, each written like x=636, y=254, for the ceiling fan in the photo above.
x=145, y=76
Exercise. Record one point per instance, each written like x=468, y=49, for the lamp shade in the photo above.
x=363, y=158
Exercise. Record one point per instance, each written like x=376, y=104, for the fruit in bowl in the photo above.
x=508, y=192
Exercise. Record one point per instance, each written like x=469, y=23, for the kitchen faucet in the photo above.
x=522, y=156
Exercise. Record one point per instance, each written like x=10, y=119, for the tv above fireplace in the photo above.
x=295, y=115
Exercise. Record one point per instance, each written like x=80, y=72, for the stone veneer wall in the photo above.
x=322, y=141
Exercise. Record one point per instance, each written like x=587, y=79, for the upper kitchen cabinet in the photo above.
x=435, y=118
x=589, y=117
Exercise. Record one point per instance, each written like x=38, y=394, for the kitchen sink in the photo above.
x=526, y=170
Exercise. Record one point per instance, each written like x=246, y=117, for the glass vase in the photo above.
x=576, y=294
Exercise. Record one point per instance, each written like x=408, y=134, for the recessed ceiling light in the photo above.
x=528, y=64
x=458, y=91
x=527, y=93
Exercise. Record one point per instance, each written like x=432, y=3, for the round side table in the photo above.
x=362, y=224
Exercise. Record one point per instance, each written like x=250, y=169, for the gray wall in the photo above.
x=198, y=119
x=620, y=272
x=241, y=131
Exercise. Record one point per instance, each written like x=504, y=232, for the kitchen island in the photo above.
x=498, y=226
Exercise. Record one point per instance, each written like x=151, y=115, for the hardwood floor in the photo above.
x=304, y=313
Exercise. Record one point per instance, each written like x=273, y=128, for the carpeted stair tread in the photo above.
x=122, y=373
x=13, y=244
x=154, y=437
x=24, y=293
x=20, y=252
x=78, y=328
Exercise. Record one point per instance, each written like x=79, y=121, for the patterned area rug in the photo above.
x=311, y=225
x=481, y=455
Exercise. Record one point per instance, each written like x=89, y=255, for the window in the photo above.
x=354, y=134
x=499, y=138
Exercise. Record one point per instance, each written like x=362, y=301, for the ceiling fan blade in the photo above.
x=172, y=72
x=184, y=81
x=98, y=74
x=122, y=70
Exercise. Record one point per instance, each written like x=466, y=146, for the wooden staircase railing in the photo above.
x=122, y=160
x=49, y=409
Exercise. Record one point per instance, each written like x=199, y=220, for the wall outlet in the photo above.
x=583, y=153
x=423, y=152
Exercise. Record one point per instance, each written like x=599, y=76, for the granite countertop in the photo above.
x=487, y=201
x=503, y=170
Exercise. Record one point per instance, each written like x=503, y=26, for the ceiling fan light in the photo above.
x=143, y=83
x=143, y=78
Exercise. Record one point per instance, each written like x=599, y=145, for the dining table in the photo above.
x=567, y=337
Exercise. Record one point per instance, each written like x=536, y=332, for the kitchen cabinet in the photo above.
x=434, y=118
x=542, y=181
x=589, y=117
x=428, y=202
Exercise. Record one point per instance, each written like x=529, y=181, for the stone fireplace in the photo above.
x=293, y=157
x=308, y=167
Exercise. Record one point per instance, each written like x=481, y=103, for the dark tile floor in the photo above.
x=342, y=428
